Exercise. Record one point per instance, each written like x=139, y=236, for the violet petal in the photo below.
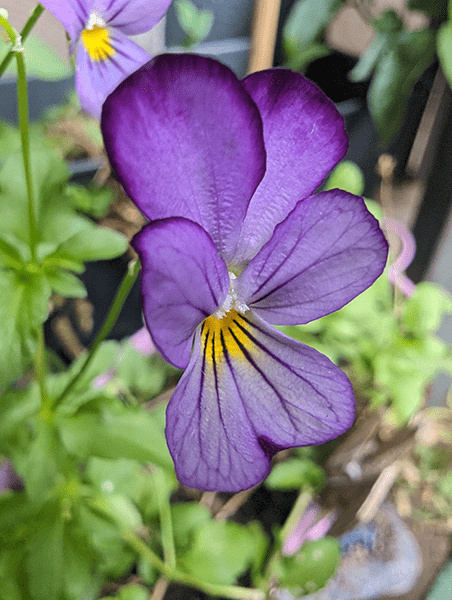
x=304, y=139
x=72, y=15
x=132, y=16
x=328, y=250
x=95, y=79
x=183, y=282
x=185, y=139
x=248, y=392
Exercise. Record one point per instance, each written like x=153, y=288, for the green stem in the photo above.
x=37, y=12
x=22, y=103
x=226, y=591
x=40, y=365
x=112, y=317
x=166, y=521
x=301, y=504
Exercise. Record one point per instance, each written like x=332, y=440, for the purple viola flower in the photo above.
x=225, y=171
x=105, y=55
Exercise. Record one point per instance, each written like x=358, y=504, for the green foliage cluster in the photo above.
x=395, y=59
x=196, y=23
x=63, y=241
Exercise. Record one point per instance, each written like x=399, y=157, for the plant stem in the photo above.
x=40, y=365
x=110, y=320
x=227, y=591
x=301, y=504
x=166, y=521
x=22, y=104
x=37, y=12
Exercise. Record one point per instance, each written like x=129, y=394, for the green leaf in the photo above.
x=305, y=24
x=126, y=433
x=41, y=60
x=309, y=570
x=67, y=238
x=122, y=476
x=93, y=201
x=16, y=408
x=388, y=22
x=9, y=139
x=94, y=243
x=134, y=592
x=41, y=465
x=13, y=578
x=296, y=473
x=223, y=550
x=114, y=557
x=436, y=9
x=444, y=49
x=23, y=308
x=187, y=517
x=9, y=255
x=195, y=23
x=45, y=562
x=395, y=74
x=80, y=580
x=426, y=308
x=145, y=373
x=369, y=58
x=66, y=284
x=346, y=176
x=300, y=59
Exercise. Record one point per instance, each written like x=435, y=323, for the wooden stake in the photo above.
x=263, y=34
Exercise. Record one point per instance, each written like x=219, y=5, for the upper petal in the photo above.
x=73, y=15
x=183, y=282
x=248, y=392
x=185, y=139
x=328, y=250
x=304, y=139
x=132, y=16
x=95, y=79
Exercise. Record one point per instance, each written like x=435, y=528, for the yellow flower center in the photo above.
x=97, y=43
x=223, y=335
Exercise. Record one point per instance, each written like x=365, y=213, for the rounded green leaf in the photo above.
x=309, y=569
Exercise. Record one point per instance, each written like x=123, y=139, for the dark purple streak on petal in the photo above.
x=183, y=282
x=185, y=139
x=304, y=139
x=328, y=250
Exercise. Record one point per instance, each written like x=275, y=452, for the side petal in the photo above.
x=248, y=392
x=132, y=16
x=95, y=79
x=73, y=15
x=328, y=250
x=183, y=282
x=304, y=139
x=185, y=139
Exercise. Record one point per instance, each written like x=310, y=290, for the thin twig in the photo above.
x=233, y=504
x=263, y=34
x=160, y=589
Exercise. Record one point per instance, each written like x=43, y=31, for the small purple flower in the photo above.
x=225, y=171
x=105, y=55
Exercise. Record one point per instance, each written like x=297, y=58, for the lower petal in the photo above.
x=247, y=393
x=96, y=79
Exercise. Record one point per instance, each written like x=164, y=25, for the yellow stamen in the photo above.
x=225, y=334
x=97, y=43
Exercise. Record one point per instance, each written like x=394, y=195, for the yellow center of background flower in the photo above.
x=97, y=43
x=227, y=334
